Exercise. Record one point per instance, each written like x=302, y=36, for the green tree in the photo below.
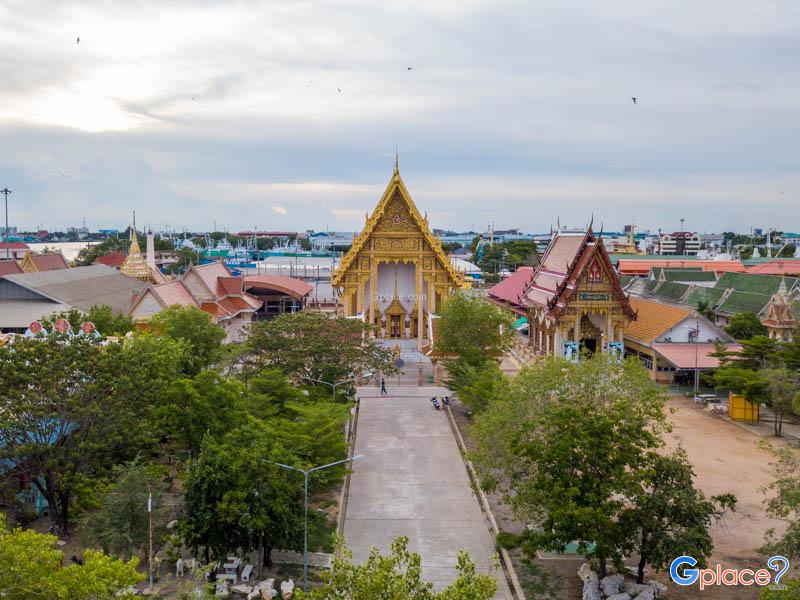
x=472, y=329
x=784, y=393
x=120, y=526
x=234, y=499
x=669, y=516
x=31, y=568
x=476, y=386
x=706, y=309
x=70, y=410
x=195, y=327
x=108, y=323
x=743, y=371
x=784, y=505
x=398, y=576
x=193, y=407
x=309, y=345
x=87, y=256
x=792, y=591
x=744, y=326
x=565, y=447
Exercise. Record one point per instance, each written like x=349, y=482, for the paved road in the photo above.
x=413, y=482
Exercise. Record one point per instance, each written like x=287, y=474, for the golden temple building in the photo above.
x=135, y=264
x=395, y=273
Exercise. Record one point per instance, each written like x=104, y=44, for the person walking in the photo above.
x=383, y=387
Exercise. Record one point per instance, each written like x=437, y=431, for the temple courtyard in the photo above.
x=413, y=482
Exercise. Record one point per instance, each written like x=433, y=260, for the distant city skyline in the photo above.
x=286, y=116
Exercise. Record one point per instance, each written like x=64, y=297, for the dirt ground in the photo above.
x=726, y=458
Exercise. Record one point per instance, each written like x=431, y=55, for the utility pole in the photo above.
x=6, y=192
x=150, y=533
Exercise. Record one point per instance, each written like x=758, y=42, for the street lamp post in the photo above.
x=333, y=386
x=6, y=192
x=306, y=473
x=696, y=330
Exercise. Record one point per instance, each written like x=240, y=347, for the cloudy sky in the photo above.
x=520, y=113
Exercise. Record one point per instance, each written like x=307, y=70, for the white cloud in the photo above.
x=513, y=112
x=279, y=210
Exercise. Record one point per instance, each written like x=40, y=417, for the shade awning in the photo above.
x=691, y=356
x=521, y=323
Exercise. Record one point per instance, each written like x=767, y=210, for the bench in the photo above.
x=248, y=569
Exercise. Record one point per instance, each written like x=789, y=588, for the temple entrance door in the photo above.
x=395, y=326
x=589, y=344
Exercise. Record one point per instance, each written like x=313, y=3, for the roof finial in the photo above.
x=558, y=224
x=133, y=229
x=591, y=222
x=396, y=161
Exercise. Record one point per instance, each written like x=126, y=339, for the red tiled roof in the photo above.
x=281, y=283
x=112, y=259
x=233, y=306
x=512, y=288
x=635, y=266
x=13, y=246
x=9, y=267
x=229, y=285
x=49, y=262
x=683, y=355
x=781, y=266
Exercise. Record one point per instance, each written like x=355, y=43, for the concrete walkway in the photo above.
x=413, y=482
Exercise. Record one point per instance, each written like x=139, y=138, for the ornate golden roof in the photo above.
x=395, y=203
x=135, y=264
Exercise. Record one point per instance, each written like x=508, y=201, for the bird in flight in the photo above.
x=78, y=41
x=410, y=69
x=634, y=100
x=340, y=90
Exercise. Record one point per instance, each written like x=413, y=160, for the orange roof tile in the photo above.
x=9, y=267
x=653, y=319
x=288, y=285
x=49, y=262
x=112, y=259
x=635, y=266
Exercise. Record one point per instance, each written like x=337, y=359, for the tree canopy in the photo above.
x=472, y=329
x=744, y=326
x=572, y=448
x=31, y=568
x=312, y=346
x=70, y=409
x=194, y=327
x=398, y=576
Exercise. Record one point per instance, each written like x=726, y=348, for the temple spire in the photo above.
x=396, y=161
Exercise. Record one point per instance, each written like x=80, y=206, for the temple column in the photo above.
x=431, y=296
x=360, y=295
x=609, y=331
x=557, y=342
x=373, y=289
x=547, y=343
x=346, y=302
x=420, y=317
x=577, y=334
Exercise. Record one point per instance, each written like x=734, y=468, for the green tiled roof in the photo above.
x=687, y=275
x=625, y=279
x=657, y=270
x=671, y=290
x=650, y=284
x=744, y=302
x=755, y=284
x=711, y=296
